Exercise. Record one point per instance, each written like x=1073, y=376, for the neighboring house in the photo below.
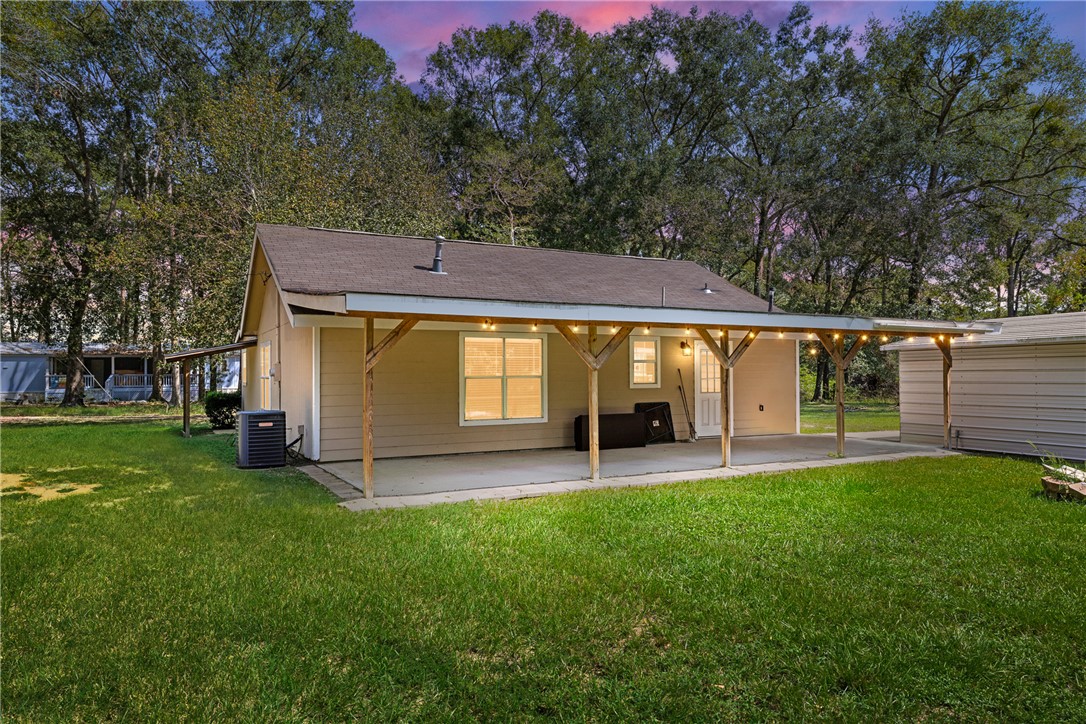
x=490, y=347
x=1025, y=383
x=34, y=372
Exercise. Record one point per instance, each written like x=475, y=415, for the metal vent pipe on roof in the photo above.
x=438, y=244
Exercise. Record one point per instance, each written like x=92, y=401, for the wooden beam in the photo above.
x=594, y=361
x=613, y=344
x=948, y=364
x=367, y=411
x=578, y=346
x=390, y=340
x=714, y=347
x=186, y=377
x=741, y=348
x=854, y=350
x=830, y=346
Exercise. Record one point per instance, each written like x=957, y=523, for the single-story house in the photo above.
x=1023, y=383
x=390, y=346
x=35, y=372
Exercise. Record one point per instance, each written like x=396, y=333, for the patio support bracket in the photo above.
x=948, y=363
x=841, y=361
x=372, y=354
x=727, y=363
x=389, y=341
x=594, y=362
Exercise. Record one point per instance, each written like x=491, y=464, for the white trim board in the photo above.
x=397, y=305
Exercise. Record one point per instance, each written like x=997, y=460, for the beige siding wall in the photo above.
x=1002, y=398
x=417, y=395
x=291, y=358
x=766, y=376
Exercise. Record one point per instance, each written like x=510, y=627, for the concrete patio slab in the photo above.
x=538, y=472
x=514, y=492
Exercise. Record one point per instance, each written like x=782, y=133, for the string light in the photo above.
x=576, y=328
x=753, y=335
x=813, y=352
x=810, y=335
x=864, y=338
x=614, y=329
x=837, y=336
x=534, y=327
x=884, y=338
x=780, y=335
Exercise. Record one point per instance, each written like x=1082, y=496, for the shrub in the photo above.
x=222, y=409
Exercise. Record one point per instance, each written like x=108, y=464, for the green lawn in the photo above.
x=863, y=416
x=183, y=588
x=114, y=409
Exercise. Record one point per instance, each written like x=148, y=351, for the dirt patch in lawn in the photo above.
x=19, y=484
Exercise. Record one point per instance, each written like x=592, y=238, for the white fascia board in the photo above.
x=393, y=305
x=925, y=343
x=333, y=303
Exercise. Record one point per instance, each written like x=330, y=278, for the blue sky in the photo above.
x=411, y=30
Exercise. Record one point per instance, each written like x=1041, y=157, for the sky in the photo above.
x=410, y=30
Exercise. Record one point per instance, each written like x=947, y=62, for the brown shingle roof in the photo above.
x=322, y=261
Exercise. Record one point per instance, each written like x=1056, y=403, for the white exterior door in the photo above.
x=706, y=392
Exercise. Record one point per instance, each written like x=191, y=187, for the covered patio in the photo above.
x=446, y=478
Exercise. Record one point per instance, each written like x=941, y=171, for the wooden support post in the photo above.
x=948, y=364
x=593, y=410
x=727, y=364
x=725, y=411
x=587, y=353
x=367, y=410
x=835, y=346
x=186, y=374
x=839, y=398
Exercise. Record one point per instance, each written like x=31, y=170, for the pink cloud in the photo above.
x=410, y=31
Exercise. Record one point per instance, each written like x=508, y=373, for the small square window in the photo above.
x=645, y=362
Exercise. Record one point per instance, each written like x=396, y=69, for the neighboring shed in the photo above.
x=1024, y=384
x=23, y=367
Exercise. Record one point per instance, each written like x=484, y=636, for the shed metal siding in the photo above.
x=1002, y=398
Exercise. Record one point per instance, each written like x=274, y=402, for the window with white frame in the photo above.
x=265, y=376
x=502, y=379
x=645, y=362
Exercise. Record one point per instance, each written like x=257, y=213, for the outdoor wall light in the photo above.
x=686, y=348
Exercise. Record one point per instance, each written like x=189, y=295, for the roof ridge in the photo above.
x=489, y=243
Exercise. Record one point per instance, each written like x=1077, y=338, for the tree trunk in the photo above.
x=156, y=376
x=213, y=376
x=73, y=386
x=175, y=398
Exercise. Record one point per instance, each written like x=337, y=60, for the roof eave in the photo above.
x=437, y=307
